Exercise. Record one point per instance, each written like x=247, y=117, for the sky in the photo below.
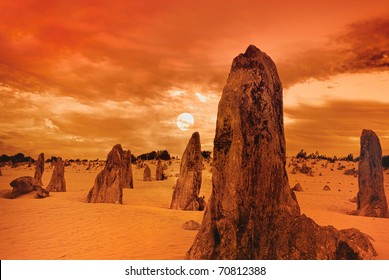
x=77, y=77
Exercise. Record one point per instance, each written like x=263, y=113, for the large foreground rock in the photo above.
x=57, y=181
x=186, y=192
x=23, y=185
x=40, y=168
x=371, y=199
x=252, y=213
x=109, y=183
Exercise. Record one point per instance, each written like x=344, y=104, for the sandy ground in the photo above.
x=64, y=226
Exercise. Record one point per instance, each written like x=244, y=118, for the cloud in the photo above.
x=362, y=47
x=334, y=128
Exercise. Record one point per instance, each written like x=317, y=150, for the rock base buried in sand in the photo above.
x=41, y=193
x=57, y=181
x=39, y=168
x=252, y=213
x=23, y=185
x=159, y=171
x=297, y=188
x=109, y=183
x=187, y=189
x=146, y=173
x=191, y=225
x=371, y=198
x=326, y=188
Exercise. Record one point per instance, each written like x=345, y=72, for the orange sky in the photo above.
x=75, y=79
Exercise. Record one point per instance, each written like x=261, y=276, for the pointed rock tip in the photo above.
x=117, y=147
x=252, y=51
x=196, y=135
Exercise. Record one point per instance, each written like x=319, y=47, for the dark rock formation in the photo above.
x=147, y=173
x=305, y=169
x=326, y=188
x=191, y=225
x=252, y=213
x=57, y=181
x=39, y=168
x=1, y=172
x=188, y=184
x=297, y=188
x=41, y=193
x=109, y=183
x=23, y=185
x=371, y=199
x=202, y=203
x=159, y=172
x=350, y=172
x=128, y=176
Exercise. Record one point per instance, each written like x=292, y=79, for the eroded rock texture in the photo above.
x=109, y=183
x=252, y=213
x=40, y=168
x=371, y=199
x=187, y=190
x=57, y=181
x=146, y=173
x=159, y=172
x=23, y=185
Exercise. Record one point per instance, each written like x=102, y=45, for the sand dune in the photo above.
x=64, y=226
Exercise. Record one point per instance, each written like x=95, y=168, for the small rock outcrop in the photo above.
x=57, y=181
x=252, y=213
x=326, y=188
x=159, y=172
x=109, y=183
x=41, y=193
x=23, y=185
x=39, y=168
x=202, y=203
x=191, y=225
x=297, y=188
x=146, y=173
x=187, y=190
x=371, y=199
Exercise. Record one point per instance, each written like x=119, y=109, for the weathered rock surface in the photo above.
x=371, y=199
x=187, y=190
x=41, y=193
x=351, y=172
x=159, y=172
x=202, y=203
x=57, y=181
x=252, y=213
x=23, y=185
x=191, y=225
x=129, y=177
x=297, y=188
x=146, y=173
x=1, y=172
x=40, y=168
x=109, y=183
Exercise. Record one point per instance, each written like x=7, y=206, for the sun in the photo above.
x=185, y=121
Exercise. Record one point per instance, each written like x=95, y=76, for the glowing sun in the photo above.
x=185, y=121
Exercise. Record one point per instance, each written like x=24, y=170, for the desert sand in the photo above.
x=64, y=226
